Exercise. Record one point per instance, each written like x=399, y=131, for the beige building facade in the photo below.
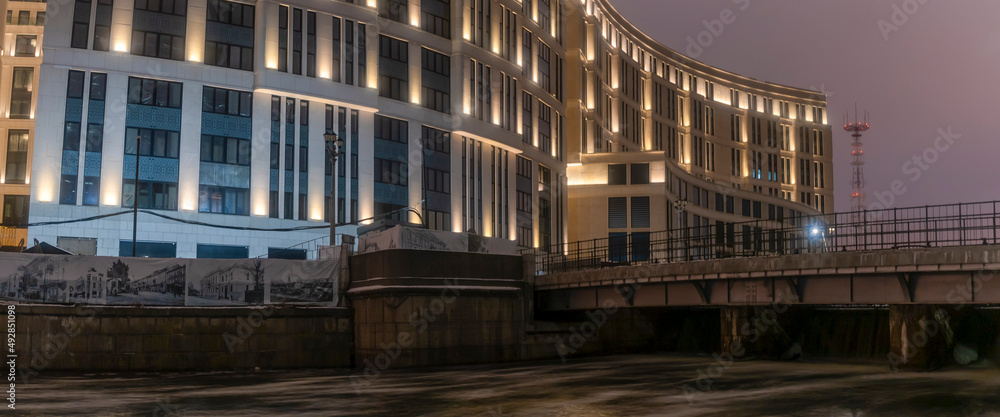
x=663, y=142
x=20, y=58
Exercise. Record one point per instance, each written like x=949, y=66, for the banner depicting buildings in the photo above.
x=67, y=279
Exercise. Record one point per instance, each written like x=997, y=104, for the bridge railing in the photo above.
x=961, y=224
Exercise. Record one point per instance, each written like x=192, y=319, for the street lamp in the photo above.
x=679, y=206
x=334, y=145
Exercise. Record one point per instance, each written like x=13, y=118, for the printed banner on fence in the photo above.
x=68, y=279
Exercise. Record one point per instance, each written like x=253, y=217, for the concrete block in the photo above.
x=125, y=343
x=100, y=343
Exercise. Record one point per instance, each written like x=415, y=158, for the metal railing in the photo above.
x=310, y=249
x=961, y=224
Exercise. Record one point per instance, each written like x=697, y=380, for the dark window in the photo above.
x=393, y=10
x=640, y=246
x=640, y=174
x=231, y=102
x=98, y=83
x=223, y=252
x=231, y=13
x=223, y=150
x=175, y=7
x=15, y=210
x=158, y=45
x=154, y=92
x=335, y=68
x=297, y=41
x=230, y=56
x=283, y=38
x=390, y=172
x=151, y=195
x=286, y=253
x=393, y=69
x=81, y=24
x=617, y=212
x=616, y=174
x=435, y=139
x=618, y=246
x=95, y=137
x=148, y=249
x=159, y=143
x=640, y=212
x=17, y=156
x=67, y=189
x=436, y=81
x=20, y=93
x=311, y=45
x=435, y=17
x=395, y=130
x=102, y=27
x=74, y=88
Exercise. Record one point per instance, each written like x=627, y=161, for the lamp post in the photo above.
x=334, y=145
x=679, y=206
x=135, y=193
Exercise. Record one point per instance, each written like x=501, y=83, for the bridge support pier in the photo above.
x=920, y=336
x=751, y=332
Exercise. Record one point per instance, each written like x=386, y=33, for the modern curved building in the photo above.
x=527, y=121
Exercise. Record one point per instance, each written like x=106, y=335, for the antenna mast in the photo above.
x=858, y=154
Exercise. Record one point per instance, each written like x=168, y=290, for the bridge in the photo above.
x=928, y=254
x=922, y=264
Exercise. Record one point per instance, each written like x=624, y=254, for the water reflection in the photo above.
x=635, y=385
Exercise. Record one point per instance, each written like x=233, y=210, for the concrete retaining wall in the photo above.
x=116, y=339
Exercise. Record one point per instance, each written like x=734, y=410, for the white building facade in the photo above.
x=232, y=100
x=471, y=113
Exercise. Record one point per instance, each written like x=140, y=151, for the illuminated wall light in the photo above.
x=371, y=3
x=188, y=205
x=415, y=22
x=260, y=210
x=373, y=84
x=120, y=47
x=272, y=64
x=45, y=194
x=324, y=74
x=194, y=57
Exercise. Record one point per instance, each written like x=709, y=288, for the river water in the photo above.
x=631, y=385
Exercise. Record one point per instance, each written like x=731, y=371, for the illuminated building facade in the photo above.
x=483, y=115
x=20, y=58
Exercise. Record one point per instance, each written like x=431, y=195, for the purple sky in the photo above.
x=938, y=70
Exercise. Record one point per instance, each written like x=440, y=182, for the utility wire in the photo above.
x=219, y=226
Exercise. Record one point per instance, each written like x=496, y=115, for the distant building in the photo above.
x=169, y=280
x=90, y=287
x=228, y=284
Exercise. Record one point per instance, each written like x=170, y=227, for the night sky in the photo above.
x=938, y=69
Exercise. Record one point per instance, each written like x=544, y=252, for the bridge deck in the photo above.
x=950, y=275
